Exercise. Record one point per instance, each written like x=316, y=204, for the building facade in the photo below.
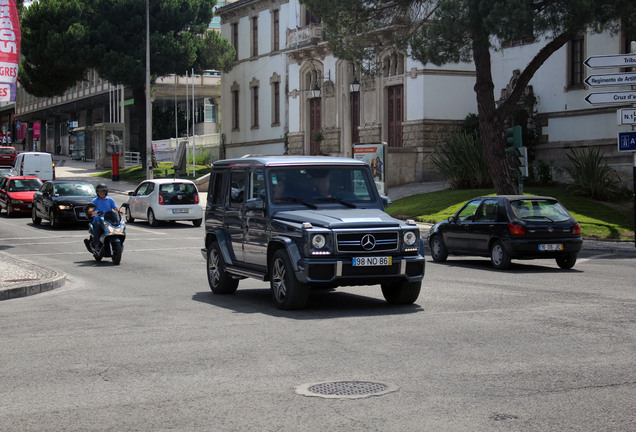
x=561, y=118
x=287, y=93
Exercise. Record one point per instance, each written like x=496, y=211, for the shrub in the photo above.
x=461, y=161
x=540, y=173
x=592, y=176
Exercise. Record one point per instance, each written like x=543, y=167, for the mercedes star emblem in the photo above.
x=367, y=242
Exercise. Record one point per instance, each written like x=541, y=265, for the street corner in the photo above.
x=21, y=278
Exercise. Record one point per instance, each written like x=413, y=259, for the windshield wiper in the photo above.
x=336, y=200
x=539, y=216
x=297, y=200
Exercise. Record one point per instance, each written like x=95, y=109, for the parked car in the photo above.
x=303, y=222
x=509, y=227
x=62, y=201
x=16, y=193
x=39, y=164
x=164, y=200
x=7, y=156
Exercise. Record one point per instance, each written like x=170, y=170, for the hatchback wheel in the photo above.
x=129, y=218
x=35, y=218
x=566, y=261
x=197, y=222
x=438, y=249
x=152, y=220
x=52, y=222
x=499, y=257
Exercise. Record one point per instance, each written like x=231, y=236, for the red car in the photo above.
x=7, y=156
x=16, y=193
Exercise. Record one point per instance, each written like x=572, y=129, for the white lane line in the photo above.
x=85, y=252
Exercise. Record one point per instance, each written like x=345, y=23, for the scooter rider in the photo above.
x=101, y=204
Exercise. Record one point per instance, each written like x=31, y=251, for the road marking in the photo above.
x=126, y=250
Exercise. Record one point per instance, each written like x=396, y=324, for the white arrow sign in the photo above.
x=626, y=78
x=622, y=60
x=611, y=97
x=626, y=116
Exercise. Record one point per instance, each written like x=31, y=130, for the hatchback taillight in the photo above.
x=161, y=201
x=516, y=229
x=196, y=198
x=576, y=229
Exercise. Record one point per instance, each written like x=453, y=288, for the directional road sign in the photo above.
x=627, y=78
x=621, y=60
x=611, y=97
x=627, y=141
x=626, y=116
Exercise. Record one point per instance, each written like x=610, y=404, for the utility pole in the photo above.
x=149, y=172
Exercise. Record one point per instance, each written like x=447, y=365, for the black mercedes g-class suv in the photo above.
x=304, y=222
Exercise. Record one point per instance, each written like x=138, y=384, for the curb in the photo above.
x=43, y=279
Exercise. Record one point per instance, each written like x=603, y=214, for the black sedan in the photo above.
x=509, y=227
x=62, y=201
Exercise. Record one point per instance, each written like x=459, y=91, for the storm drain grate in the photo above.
x=346, y=389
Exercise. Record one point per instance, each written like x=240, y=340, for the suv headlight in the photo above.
x=318, y=241
x=409, y=238
x=64, y=207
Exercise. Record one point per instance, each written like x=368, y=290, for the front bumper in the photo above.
x=341, y=271
x=20, y=208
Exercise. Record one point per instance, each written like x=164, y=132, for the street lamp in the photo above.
x=355, y=85
x=315, y=92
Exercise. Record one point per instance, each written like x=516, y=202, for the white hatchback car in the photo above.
x=164, y=200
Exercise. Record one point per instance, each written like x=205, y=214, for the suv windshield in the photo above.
x=539, y=210
x=317, y=185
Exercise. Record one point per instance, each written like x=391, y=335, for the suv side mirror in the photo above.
x=255, y=204
x=386, y=201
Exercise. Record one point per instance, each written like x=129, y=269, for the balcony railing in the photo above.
x=304, y=36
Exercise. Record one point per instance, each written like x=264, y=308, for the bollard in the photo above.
x=115, y=171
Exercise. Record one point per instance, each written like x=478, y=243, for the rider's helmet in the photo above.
x=103, y=187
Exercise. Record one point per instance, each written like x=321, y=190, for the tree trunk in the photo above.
x=490, y=124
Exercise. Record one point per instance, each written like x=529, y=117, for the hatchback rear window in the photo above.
x=7, y=151
x=178, y=193
x=540, y=210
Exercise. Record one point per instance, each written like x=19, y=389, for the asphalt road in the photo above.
x=146, y=346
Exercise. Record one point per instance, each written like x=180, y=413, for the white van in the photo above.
x=37, y=164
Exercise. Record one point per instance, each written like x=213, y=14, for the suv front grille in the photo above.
x=367, y=242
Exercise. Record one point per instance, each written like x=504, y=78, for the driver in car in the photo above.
x=102, y=203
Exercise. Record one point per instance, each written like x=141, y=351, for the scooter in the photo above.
x=111, y=241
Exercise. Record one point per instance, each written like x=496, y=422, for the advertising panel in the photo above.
x=374, y=155
x=10, y=37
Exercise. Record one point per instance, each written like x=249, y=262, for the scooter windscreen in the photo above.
x=112, y=217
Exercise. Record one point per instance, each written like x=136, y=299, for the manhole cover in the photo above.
x=346, y=389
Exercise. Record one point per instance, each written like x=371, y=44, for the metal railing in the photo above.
x=132, y=158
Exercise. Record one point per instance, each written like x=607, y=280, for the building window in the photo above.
x=254, y=107
x=275, y=31
x=235, y=39
x=276, y=103
x=254, y=36
x=235, y=109
x=576, y=57
x=310, y=19
x=210, y=110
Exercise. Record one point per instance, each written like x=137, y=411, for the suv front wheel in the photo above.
x=401, y=291
x=220, y=281
x=287, y=292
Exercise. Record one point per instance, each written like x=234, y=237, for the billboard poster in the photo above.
x=10, y=37
x=375, y=156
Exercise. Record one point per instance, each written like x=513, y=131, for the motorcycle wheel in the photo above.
x=117, y=250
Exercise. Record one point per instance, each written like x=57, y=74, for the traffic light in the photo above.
x=513, y=138
x=523, y=161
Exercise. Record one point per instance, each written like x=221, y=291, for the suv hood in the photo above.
x=340, y=218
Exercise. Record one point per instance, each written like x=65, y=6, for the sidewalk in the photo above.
x=20, y=278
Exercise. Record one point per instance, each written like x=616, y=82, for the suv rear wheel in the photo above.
x=220, y=281
x=401, y=291
x=287, y=292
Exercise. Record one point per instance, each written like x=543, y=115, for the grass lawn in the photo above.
x=597, y=219
x=165, y=170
